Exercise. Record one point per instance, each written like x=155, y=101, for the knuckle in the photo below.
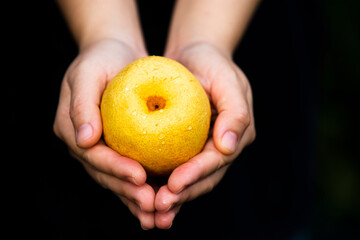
x=57, y=126
x=209, y=187
x=243, y=118
x=87, y=156
x=56, y=129
x=76, y=69
x=77, y=107
x=101, y=179
x=221, y=162
x=253, y=136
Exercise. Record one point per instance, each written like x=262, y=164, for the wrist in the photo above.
x=177, y=50
x=113, y=45
x=136, y=45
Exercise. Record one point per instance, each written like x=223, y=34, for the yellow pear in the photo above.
x=156, y=112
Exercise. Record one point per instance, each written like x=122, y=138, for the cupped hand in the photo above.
x=78, y=124
x=230, y=94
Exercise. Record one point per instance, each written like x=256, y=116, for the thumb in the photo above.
x=233, y=117
x=86, y=94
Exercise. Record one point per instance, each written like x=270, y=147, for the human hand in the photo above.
x=231, y=97
x=78, y=124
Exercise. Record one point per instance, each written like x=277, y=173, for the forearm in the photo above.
x=94, y=20
x=218, y=22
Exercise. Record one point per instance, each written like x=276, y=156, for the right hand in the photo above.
x=78, y=124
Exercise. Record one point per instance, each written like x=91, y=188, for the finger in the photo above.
x=110, y=162
x=203, y=164
x=99, y=156
x=107, y=161
x=143, y=196
x=87, y=85
x=147, y=219
x=166, y=199
x=164, y=220
x=230, y=100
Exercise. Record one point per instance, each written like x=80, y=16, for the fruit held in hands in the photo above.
x=156, y=112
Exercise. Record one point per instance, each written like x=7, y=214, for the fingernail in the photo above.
x=180, y=190
x=132, y=180
x=139, y=205
x=143, y=227
x=170, y=225
x=83, y=133
x=229, y=141
x=168, y=209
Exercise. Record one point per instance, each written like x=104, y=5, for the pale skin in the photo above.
x=203, y=35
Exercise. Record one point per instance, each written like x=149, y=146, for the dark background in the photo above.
x=300, y=179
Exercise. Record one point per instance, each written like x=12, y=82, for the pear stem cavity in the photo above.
x=155, y=103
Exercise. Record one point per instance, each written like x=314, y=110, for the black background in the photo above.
x=299, y=180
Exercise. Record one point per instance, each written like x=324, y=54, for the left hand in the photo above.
x=79, y=105
x=230, y=94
